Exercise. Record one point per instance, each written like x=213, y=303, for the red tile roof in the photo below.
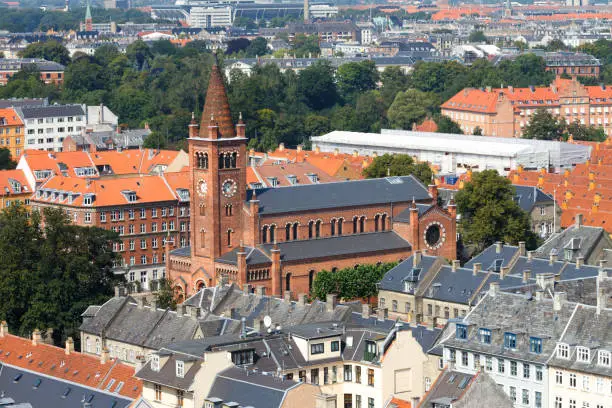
x=10, y=116
x=399, y=403
x=76, y=367
x=6, y=188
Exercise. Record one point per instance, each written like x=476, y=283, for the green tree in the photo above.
x=155, y=140
x=350, y=283
x=588, y=133
x=393, y=81
x=477, y=37
x=165, y=295
x=544, y=126
x=477, y=131
x=49, y=50
x=556, y=45
x=369, y=112
x=398, y=165
x=316, y=125
x=163, y=47
x=317, y=87
x=306, y=46
x=489, y=212
x=106, y=53
x=139, y=54
x=6, y=161
x=410, y=107
x=447, y=125
x=354, y=78
x=257, y=48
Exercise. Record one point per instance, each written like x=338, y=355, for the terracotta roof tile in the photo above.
x=217, y=106
x=10, y=116
x=6, y=188
x=76, y=367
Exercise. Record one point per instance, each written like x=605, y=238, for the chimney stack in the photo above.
x=366, y=310
x=493, y=289
x=539, y=295
x=180, y=310
x=455, y=265
x=104, y=356
x=4, y=328
x=194, y=312
x=530, y=256
x=287, y=296
x=154, y=305
x=140, y=302
x=302, y=299
x=560, y=298
x=521, y=246
x=382, y=314
x=476, y=268
x=579, y=262
x=553, y=258
x=417, y=258
x=69, y=346
x=260, y=291
x=503, y=272
x=36, y=337
x=498, y=247
x=601, y=293
x=330, y=302
x=578, y=220
x=526, y=275
x=247, y=288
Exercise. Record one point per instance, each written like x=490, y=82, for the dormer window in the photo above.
x=583, y=354
x=273, y=181
x=129, y=195
x=313, y=177
x=38, y=193
x=461, y=332
x=604, y=358
x=484, y=335
x=88, y=199
x=155, y=362
x=563, y=351
x=183, y=194
x=292, y=179
x=509, y=340
x=535, y=345
x=371, y=351
x=180, y=368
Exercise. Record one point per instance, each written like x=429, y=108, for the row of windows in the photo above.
x=511, y=367
x=573, y=404
x=583, y=355
x=484, y=336
x=119, y=215
x=319, y=348
x=572, y=382
x=184, y=226
x=525, y=397
x=180, y=395
x=57, y=120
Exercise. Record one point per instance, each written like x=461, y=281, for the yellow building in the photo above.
x=14, y=188
x=11, y=132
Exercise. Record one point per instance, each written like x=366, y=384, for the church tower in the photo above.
x=217, y=154
x=88, y=19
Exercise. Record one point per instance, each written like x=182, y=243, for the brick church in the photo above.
x=279, y=238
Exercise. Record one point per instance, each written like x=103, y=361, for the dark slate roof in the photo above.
x=184, y=251
x=167, y=372
x=254, y=256
x=340, y=246
x=582, y=240
x=250, y=389
x=18, y=102
x=448, y=387
x=318, y=330
x=50, y=392
x=527, y=197
x=490, y=254
x=404, y=216
x=426, y=337
x=308, y=197
x=394, y=278
x=515, y=313
x=50, y=111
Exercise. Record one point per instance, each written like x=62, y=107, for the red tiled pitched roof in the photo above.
x=76, y=367
x=5, y=185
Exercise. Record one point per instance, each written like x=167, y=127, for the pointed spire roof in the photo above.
x=88, y=12
x=217, y=106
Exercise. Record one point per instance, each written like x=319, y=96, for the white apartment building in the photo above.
x=206, y=17
x=46, y=127
x=543, y=352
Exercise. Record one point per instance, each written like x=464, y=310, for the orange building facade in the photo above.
x=11, y=132
x=505, y=112
x=280, y=238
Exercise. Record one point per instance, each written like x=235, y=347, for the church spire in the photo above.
x=88, y=19
x=217, y=106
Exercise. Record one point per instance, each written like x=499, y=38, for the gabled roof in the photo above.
x=13, y=182
x=341, y=194
x=50, y=111
x=9, y=117
x=75, y=367
x=528, y=197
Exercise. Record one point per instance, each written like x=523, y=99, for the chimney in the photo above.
x=180, y=310
x=521, y=248
x=579, y=262
x=526, y=275
x=260, y=291
x=433, y=192
x=240, y=127
x=503, y=272
x=456, y=264
x=493, y=289
x=559, y=299
x=194, y=312
x=336, y=151
x=287, y=296
x=117, y=291
x=539, y=295
x=4, y=328
x=247, y=288
x=578, y=220
x=104, y=356
x=530, y=256
x=281, y=147
x=602, y=265
x=498, y=247
x=417, y=258
x=330, y=302
x=366, y=310
x=601, y=292
x=69, y=346
x=154, y=305
x=302, y=299
x=476, y=268
x=382, y=313
x=140, y=302
x=258, y=325
x=317, y=149
x=552, y=259
x=49, y=336
x=545, y=280
x=36, y=337
x=300, y=148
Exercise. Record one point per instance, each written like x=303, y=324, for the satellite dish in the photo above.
x=267, y=321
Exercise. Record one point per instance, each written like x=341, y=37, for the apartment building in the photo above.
x=538, y=349
x=14, y=188
x=150, y=213
x=50, y=72
x=505, y=112
x=213, y=16
x=46, y=127
x=11, y=132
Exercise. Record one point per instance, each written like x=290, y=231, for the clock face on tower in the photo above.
x=202, y=188
x=228, y=188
